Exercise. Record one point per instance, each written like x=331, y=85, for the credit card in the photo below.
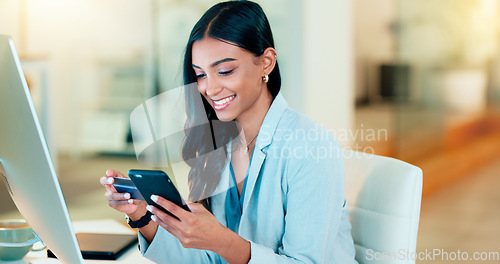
x=123, y=185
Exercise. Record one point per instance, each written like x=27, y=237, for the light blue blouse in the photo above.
x=294, y=208
x=234, y=203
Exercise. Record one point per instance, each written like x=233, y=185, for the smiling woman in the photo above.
x=230, y=55
x=233, y=85
x=273, y=209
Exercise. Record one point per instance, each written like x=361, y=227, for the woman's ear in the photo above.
x=269, y=58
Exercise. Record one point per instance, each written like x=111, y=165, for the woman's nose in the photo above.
x=213, y=87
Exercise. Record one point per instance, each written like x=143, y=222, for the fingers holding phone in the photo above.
x=119, y=199
x=123, y=185
x=108, y=180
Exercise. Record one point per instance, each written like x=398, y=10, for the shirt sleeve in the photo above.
x=166, y=249
x=316, y=215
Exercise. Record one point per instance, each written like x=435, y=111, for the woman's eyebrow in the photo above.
x=216, y=63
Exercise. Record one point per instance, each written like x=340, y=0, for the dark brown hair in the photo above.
x=240, y=23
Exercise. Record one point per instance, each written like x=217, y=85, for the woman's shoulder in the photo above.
x=300, y=128
x=301, y=141
x=307, y=149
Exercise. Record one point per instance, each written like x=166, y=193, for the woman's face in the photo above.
x=229, y=77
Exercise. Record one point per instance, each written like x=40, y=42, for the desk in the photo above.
x=131, y=256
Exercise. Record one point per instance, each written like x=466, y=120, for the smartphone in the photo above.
x=123, y=185
x=157, y=182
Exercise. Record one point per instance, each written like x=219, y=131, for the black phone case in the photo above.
x=150, y=182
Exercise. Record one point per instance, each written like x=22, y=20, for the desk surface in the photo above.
x=132, y=256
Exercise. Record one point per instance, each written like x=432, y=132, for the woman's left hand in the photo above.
x=196, y=229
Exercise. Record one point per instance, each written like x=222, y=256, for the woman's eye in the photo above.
x=226, y=72
x=198, y=76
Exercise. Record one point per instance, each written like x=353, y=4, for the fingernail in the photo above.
x=153, y=217
x=154, y=198
x=110, y=180
x=126, y=196
x=130, y=201
x=149, y=208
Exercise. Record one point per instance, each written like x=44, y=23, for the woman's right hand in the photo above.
x=120, y=201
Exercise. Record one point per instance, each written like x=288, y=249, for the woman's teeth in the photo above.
x=225, y=100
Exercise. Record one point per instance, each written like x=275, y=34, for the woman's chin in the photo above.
x=225, y=116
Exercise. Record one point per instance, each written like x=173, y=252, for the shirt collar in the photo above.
x=271, y=120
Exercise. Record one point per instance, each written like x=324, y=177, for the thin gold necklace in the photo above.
x=246, y=148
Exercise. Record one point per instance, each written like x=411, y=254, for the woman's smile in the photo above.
x=221, y=104
x=230, y=79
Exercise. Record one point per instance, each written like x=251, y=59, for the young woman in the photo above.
x=287, y=204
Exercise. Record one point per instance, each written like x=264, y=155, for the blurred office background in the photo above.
x=418, y=80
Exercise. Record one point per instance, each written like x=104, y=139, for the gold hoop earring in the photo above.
x=265, y=78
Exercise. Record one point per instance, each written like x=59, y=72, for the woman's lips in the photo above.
x=223, y=103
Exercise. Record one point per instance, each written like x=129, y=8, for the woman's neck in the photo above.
x=251, y=120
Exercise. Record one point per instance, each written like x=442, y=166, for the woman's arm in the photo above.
x=156, y=244
x=317, y=229
x=199, y=229
x=121, y=202
x=162, y=247
x=315, y=218
x=233, y=248
x=148, y=231
x=316, y=225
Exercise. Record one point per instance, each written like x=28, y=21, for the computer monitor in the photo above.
x=28, y=170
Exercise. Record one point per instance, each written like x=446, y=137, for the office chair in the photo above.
x=384, y=196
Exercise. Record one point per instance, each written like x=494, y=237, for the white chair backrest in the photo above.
x=384, y=196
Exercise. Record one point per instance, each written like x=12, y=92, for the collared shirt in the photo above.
x=294, y=208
